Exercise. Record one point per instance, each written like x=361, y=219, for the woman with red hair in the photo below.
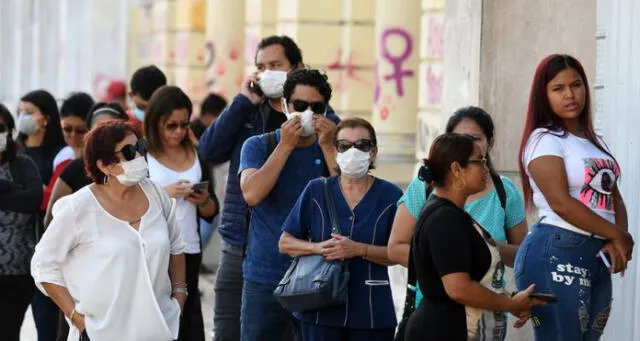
x=570, y=176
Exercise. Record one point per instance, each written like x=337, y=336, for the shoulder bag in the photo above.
x=312, y=282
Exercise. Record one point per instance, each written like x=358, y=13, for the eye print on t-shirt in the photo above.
x=600, y=176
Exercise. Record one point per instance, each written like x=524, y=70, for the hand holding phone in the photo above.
x=200, y=186
x=551, y=298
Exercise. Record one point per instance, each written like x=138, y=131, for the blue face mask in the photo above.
x=138, y=113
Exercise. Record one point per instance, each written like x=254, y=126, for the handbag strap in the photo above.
x=331, y=207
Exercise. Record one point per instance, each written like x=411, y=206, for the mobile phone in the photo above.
x=551, y=298
x=200, y=186
x=255, y=88
x=605, y=259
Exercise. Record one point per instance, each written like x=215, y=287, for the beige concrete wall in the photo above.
x=516, y=34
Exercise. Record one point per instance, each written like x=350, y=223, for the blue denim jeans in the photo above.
x=564, y=263
x=263, y=318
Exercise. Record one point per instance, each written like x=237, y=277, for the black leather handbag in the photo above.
x=312, y=282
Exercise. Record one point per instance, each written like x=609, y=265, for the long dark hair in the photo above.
x=161, y=105
x=53, y=139
x=480, y=117
x=11, y=151
x=540, y=114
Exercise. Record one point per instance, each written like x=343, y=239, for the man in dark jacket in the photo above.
x=257, y=109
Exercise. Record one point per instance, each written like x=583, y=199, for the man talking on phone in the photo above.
x=257, y=109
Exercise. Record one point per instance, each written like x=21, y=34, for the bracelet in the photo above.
x=179, y=285
x=180, y=291
x=366, y=251
x=73, y=313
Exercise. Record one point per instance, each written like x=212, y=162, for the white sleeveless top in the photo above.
x=186, y=212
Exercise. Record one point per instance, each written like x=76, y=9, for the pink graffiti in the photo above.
x=434, y=86
x=435, y=38
x=234, y=53
x=250, y=47
x=397, y=60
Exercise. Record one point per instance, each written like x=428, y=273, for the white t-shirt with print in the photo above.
x=591, y=173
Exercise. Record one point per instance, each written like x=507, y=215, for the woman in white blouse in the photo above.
x=174, y=165
x=112, y=257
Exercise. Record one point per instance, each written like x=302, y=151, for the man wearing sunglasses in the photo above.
x=257, y=109
x=271, y=183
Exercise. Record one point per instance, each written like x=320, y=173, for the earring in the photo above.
x=106, y=180
x=456, y=185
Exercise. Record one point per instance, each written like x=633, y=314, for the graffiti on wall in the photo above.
x=435, y=36
x=428, y=129
x=395, y=59
x=349, y=71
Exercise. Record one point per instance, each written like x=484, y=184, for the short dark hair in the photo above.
x=213, y=105
x=77, y=104
x=291, y=49
x=352, y=123
x=310, y=77
x=11, y=151
x=445, y=150
x=53, y=138
x=102, y=108
x=480, y=117
x=146, y=80
x=161, y=106
x=99, y=144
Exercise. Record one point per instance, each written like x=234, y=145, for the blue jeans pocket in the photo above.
x=567, y=240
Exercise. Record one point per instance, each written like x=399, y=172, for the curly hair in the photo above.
x=100, y=143
x=310, y=77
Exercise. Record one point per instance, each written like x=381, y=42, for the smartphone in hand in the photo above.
x=255, y=88
x=550, y=298
x=200, y=186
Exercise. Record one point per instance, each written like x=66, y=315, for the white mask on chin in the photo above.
x=354, y=163
x=306, y=119
x=135, y=171
x=272, y=83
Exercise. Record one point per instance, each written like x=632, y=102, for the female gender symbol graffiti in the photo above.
x=398, y=73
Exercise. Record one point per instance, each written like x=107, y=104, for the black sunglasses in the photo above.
x=362, y=145
x=130, y=151
x=482, y=161
x=317, y=107
x=78, y=130
x=3, y=128
x=175, y=125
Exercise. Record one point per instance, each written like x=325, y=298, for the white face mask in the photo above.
x=354, y=163
x=272, y=83
x=26, y=124
x=3, y=141
x=306, y=119
x=135, y=171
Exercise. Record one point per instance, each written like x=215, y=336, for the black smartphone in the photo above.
x=551, y=298
x=255, y=88
x=200, y=186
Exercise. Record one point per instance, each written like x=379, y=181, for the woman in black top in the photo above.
x=74, y=177
x=451, y=253
x=41, y=136
x=20, y=197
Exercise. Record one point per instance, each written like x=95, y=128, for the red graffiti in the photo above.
x=386, y=108
x=435, y=38
x=220, y=69
x=234, y=54
x=396, y=61
x=434, y=86
x=350, y=71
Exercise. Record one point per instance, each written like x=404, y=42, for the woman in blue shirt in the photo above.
x=504, y=218
x=365, y=207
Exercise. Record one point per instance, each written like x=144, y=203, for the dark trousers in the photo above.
x=45, y=315
x=16, y=293
x=263, y=318
x=191, y=321
x=228, y=294
x=314, y=332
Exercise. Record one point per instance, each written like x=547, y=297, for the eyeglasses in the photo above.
x=482, y=161
x=3, y=128
x=130, y=151
x=78, y=130
x=362, y=145
x=175, y=125
x=317, y=107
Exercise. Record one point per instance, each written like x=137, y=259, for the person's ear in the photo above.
x=456, y=169
x=492, y=142
x=374, y=154
x=106, y=170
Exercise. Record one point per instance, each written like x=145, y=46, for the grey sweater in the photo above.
x=20, y=198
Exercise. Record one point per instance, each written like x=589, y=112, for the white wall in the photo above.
x=61, y=46
x=619, y=120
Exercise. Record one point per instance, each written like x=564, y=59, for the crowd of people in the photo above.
x=105, y=213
